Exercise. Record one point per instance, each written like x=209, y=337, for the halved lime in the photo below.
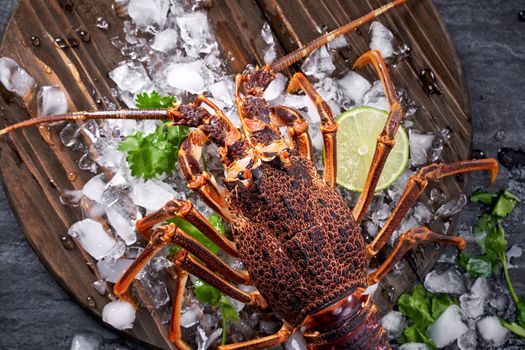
x=356, y=144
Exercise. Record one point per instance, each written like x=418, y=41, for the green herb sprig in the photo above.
x=422, y=308
x=156, y=153
x=490, y=236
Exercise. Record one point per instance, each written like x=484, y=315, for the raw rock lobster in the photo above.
x=299, y=240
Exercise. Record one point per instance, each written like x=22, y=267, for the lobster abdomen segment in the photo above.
x=351, y=323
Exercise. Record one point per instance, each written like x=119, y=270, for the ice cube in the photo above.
x=492, y=331
x=381, y=39
x=222, y=90
x=295, y=342
x=422, y=213
x=111, y=271
x=499, y=302
x=149, y=195
x=316, y=136
x=354, y=86
x=375, y=97
x=86, y=341
x=93, y=238
x=195, y=32
x=514, y=252
x=51, y=100
x=452, y=207
x=191, y=76
x=130, y=76
x=191, y=315
x=94, y=188
x=319, y=64
x=275, y=88
x=156, y=291
x=100, y=286
x=448, y=327
x=122, y=226
x=414, y=346
x=472, y=305
x=106, y=153
x=468, y=340
x=15, y=78
x=394, y=323
x=119, y=314
x=204, y=341
x=419, y=146
x=166, y=40
x=269, y=51
x=338, y=43
x=149, y=14
x=481, y=288
x=449, y=281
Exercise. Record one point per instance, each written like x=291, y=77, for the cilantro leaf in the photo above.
x=414, y=334
x=486, y=198
x=513, y=327
x=153, y=154
x=156, y=153
x=440, y=302
x=496, y=244
x=485, y=224
x=228, y=310
x=417, y=307
x=505, y=204
x=154, y=100
x=478, y=265
x=206, y=294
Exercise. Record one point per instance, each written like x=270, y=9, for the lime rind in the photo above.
x=391, y=171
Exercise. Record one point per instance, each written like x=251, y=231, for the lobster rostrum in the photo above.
x=297, y=237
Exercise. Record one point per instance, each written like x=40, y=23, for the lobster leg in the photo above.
x=185, y=210
x=176, y=311
x=386, y=140
x=297, y=128
x=328, y=124
x=171, y=234
x=417, y=184
x=198, y=180
x=262, y=343
x=406, y=241
x=182, y=259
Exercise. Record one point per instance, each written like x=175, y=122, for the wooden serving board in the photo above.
x=36, y=168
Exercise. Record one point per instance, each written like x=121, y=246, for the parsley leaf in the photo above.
x=156, y=153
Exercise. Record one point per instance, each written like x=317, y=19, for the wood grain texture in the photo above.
x=36, y=168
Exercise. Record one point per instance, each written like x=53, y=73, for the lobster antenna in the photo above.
x=120, y=114
x=304, y=51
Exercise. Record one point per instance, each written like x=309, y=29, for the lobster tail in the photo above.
x=352, y=323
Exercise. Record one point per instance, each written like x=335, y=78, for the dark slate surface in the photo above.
x=36, y=313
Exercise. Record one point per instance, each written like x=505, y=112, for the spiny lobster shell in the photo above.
x=297, y=238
